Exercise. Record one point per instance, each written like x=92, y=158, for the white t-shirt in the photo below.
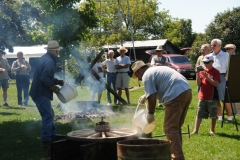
x=110, y=65
x=164, y=81
x=98, y=69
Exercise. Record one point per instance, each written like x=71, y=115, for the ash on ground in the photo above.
x=85, y=110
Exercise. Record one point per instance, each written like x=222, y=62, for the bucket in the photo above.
x=144, y=149
x=140, y=120
x=67, y=93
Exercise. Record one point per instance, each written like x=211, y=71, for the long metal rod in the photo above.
x=131, y=30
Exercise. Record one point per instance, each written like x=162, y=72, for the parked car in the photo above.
x=180, y=63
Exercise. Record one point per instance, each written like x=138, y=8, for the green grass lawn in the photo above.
x=20, y=128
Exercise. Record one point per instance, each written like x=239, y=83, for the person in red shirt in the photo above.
x=207, y=79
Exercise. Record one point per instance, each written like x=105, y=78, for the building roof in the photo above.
x=29, y=49
x=138, y=44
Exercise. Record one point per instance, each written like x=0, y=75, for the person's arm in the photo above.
x=28, y=67
x=151, y=103
x=153, y=62
x=210, y=80
x=14, y=67
x=198, y=79
x=47, y=74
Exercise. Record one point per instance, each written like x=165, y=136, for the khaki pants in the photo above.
x=175, y=113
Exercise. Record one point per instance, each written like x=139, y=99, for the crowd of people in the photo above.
x=161, y=83
x=172, y=89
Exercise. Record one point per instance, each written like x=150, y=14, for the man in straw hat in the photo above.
x=43, y=86
x=159, y=59
x=122, y=64
x=172, y=89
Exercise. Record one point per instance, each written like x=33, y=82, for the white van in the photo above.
x=30, y=53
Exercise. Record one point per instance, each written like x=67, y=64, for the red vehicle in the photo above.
x=182, y=64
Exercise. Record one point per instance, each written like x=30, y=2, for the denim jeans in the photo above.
x=22, y=83
x=111, y=81
x=47, y=114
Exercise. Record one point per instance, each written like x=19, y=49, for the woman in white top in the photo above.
x=111, y=74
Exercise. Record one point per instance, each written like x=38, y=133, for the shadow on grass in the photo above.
x=237, y=137
x=8, y=114
x=21, y=139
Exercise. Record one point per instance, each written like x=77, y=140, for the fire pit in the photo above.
x=102, y=133
x=91, y=144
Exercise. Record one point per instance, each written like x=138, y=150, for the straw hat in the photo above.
x=136, y=66
x=230, y=46
x=122, y=49
x=159, y=48
x=53, y=45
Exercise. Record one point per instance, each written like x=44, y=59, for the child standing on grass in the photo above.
x=208, y=80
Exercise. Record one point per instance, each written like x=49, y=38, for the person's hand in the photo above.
x=150, y=118
x=55, y=89
x=142, y=99
x=60, y=82
x=204, y=74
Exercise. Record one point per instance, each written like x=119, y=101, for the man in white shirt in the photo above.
x=221, y=63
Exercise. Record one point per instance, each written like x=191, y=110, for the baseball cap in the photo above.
x=208, y=58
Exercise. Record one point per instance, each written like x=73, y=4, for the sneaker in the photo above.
x=160, y=105
x=6, y=105
x=109, y=104
x=46, y=144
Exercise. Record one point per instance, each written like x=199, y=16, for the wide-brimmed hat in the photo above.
x=208, y=58
x=159, y=48
x=230, y=46
x=136, y=66
x=53, y=45
x=122, y=49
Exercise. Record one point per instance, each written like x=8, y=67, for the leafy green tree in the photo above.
x=226, y=26
x=195, y=52
x=179, y=32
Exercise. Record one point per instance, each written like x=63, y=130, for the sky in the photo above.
x=201, y=12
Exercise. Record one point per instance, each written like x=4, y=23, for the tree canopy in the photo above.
x=225, y=26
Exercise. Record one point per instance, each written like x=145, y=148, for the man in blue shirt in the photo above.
x=43, y=86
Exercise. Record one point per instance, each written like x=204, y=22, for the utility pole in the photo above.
x=120, y=22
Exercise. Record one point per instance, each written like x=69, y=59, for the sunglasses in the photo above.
x=228, y=49
x=206, y=62
x=213, y=45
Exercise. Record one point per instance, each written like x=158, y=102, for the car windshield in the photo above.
x=180, y=59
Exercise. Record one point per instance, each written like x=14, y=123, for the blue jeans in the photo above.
x=22, y=83
x=111, y=81
x=47, y=114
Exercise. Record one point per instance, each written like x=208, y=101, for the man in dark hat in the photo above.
x=43, y=86
x=172, y=89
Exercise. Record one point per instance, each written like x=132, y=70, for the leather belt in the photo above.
x=111, y=72
x=222, y=73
